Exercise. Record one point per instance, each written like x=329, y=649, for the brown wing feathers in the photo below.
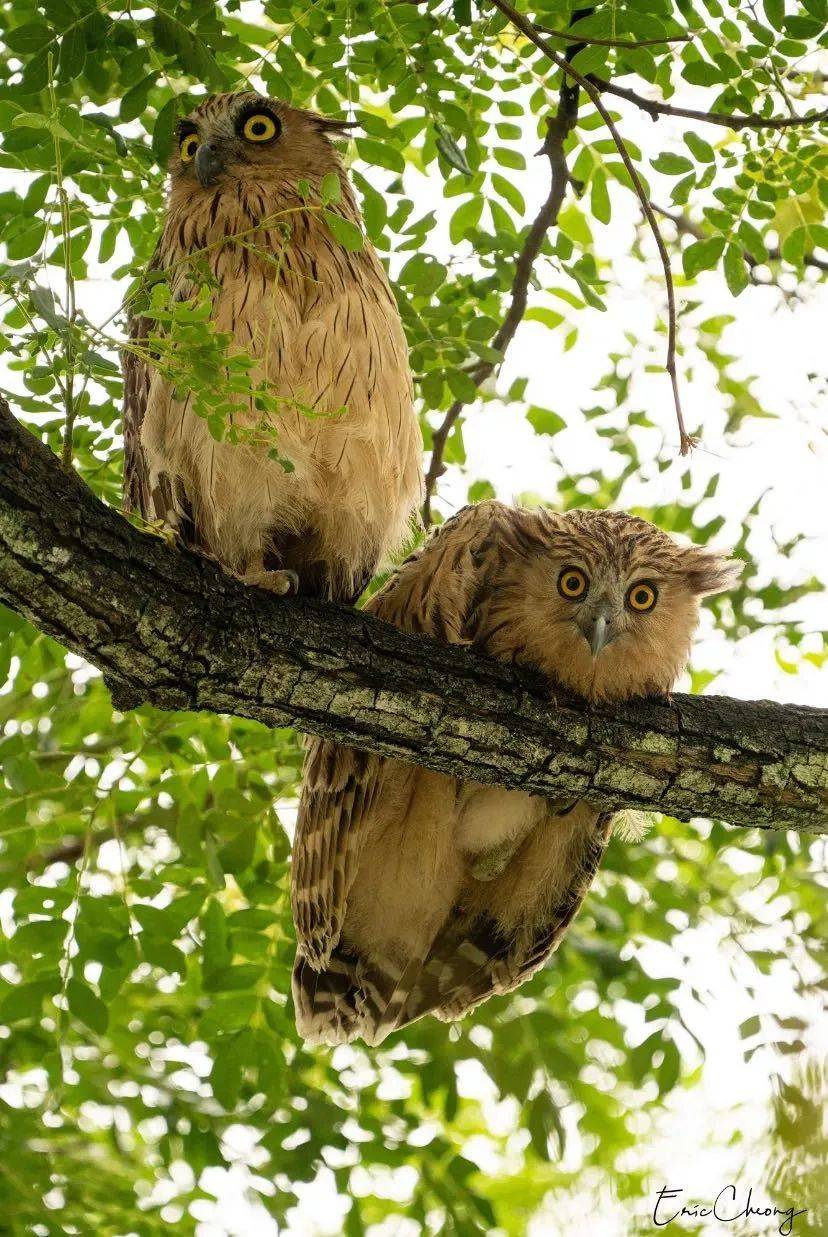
x=340, y=784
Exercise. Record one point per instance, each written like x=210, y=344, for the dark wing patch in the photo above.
x=137, y=374
x=339, y=788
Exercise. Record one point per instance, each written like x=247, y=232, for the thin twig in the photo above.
x=687, y=227
x=557, y=131
x=590, y=40
x=737, y=121
x=526, y=27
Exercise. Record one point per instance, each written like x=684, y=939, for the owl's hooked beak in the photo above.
x=599, y=635
x=598, y=629
x=209, y=163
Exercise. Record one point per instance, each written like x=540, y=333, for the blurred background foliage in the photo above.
x=146, y=1033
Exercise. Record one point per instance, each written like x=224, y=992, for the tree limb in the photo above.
x=558, y=129
x=172, y=629
x=736, y=121
x=522, y=23
x=591, y=40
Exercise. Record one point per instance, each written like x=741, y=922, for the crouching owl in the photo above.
x=415, y=893
x=321, y=326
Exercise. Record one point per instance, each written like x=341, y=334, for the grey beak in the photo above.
x=209, y=164
x=599, y=635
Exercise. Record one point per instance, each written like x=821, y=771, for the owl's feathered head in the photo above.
x=603, y=602
x=248, y=135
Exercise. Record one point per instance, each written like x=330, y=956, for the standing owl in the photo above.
x=320, y=324
x=415, y=893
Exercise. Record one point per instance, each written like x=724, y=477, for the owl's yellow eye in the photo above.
x=572, y=583
x=259, y=127
x=188, y=148
x=642, y=596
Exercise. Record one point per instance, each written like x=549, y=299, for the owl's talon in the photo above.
x=283, y=583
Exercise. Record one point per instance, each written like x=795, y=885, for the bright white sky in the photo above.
x=785, y=459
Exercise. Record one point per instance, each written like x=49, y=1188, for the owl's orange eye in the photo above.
x=188, y=148
x=642, y=596
x=572, y=583
x=259, y=127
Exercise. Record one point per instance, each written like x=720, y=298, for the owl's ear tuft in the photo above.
x=707, y=571
x=331, y=124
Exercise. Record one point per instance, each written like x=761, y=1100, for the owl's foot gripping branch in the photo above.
x=171, y=629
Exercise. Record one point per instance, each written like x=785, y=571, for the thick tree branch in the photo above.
x=558, y=129
x=172, y=629
x=727, y=120
x=525, y=26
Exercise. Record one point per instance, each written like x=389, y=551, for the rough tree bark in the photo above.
x=172, y=629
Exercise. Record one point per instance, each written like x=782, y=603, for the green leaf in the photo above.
x=509, y=158
x=465, y=219
x=702, y=255
x=544, y=421
x=72, y=53
x=672, y=165
x=237, y=854
x=44, y=303
x=215, y=872
x=234, y=978
x=775, y=12
x=600, y=199
x=374, y=209
x=164, y=131
x=699, y=73
x=380, y=154
x=668, y=1071
x=509, y=192
x=230, y=1058
x=549, y=317
x=544, y=1124
x=735, y=269
x=23, y=1001
x=86, y=1006
x=28, y=38
x=701, y=149
x=134, y=102
x=345, y=231
x=163, y=954
x=462, y=386
x=682, y=189
x=752, y=240
x=794, y=245
x=450, y=151
x=423, y=274
x=229, y=1013
x=330, y=190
